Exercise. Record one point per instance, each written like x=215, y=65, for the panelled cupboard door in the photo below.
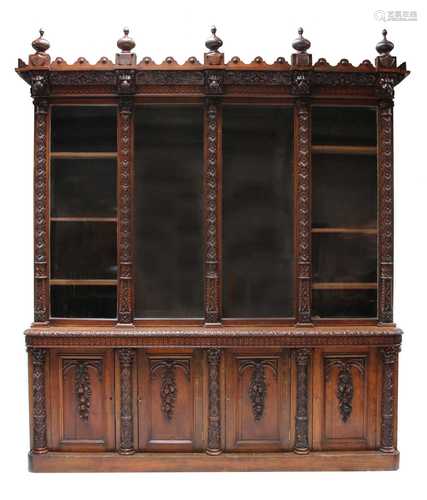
x=348, y=400
x=257, y=401
x=82, y=400
x=170, y=396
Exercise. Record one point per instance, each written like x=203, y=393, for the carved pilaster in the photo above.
x=214, y=406
x=39, y=89
x=39, y=414
x=385, y=215
x=303, y=209
x=211, y=215
x=126, y=358
x=125, y=199
x=301, y=419
x=389, y=359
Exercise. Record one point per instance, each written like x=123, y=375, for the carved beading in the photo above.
x=38, y=357
x=126, y=358
x=212, y=285
x=214, y=408
x=302, y=358
x=303, y=211
x=385, y=202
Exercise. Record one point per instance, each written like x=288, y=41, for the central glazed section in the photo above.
x=168, y=212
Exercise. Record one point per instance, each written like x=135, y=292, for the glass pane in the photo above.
x=345, y=126
x=83, y=187
x=84, y=250
x=344, y=258
x=83, y=301
x=258, y=277
x=84, y=129
x=344, y=191
x=344, y=303
x=169, y=207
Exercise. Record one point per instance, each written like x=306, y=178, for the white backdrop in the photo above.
x=179, y=28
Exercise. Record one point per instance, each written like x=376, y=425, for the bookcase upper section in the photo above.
x=214, y=76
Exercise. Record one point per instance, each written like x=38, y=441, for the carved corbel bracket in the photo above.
x=40, y=84
x=126, y=81
x=301, y=83
x=385, y=86
x=214, y=82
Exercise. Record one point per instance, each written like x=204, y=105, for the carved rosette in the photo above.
x=126, y=358
x=125, y=196
x=214, y=408
x=41, y=209
x=303, y=210
x=385, y=203
x=39, y=414
x=168, y=387
x=389, y=359
x=345, y=388
x=212, y=281
x=82, y=383
x=301, y=419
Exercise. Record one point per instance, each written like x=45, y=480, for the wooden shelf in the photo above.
x=345, y=230
x=349, y=150
x=344, y=286
x=83, y=219
x=82, y=282
x=70, y=154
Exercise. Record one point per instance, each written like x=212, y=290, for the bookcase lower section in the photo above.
x=211, y=400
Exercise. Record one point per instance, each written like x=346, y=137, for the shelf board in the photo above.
x=349, y=150
x=82, y=282
x=70, y=154
x=349, y=230
x=83, y=219
x=344, y=286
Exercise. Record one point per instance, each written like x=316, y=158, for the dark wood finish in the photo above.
x=312, y=390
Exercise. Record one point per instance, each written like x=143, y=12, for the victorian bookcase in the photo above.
x=213, y=263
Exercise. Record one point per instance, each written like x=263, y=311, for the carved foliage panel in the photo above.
x=83, y=401
x=168, y=386
x=345, y=400
x=256, y=404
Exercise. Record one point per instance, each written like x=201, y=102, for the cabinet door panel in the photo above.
x=257, y=401
x=348, y=401
x=82, y=401
x=170, y=401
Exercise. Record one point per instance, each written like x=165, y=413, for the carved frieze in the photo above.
x=164, y=77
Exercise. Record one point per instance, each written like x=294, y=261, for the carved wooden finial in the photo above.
x=301, y=45
x=384, y=47
x=213, y=43
x=126, y=44
x=40, y=45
